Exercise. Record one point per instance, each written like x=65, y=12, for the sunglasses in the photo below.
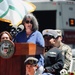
x=27, y=21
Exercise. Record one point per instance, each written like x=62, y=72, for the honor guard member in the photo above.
x=54, y=60
x=31, y=65
x=66, y=51
x=31, y=61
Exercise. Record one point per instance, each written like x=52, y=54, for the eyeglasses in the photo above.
x=27, y=21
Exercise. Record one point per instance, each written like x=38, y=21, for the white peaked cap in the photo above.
x=59, y=32
x=50, y=32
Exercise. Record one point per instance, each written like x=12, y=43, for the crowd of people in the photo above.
x=57, y=56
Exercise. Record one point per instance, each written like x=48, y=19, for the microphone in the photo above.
x=13, y=31
x=20, y=28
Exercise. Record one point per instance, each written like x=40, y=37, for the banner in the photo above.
x=13, y=11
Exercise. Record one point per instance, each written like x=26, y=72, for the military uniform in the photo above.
x=31, y=65
x=54, y=61
x=67, y=52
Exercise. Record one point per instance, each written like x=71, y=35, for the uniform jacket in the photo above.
x=67, y=52
x=54, y=61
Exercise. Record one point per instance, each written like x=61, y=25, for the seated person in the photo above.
x=54, y=60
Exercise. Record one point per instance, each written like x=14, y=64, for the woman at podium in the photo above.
x=30, y=34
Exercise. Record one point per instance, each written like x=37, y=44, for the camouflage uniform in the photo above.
x=67, y=52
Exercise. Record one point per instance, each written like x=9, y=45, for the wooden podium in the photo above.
x=15, y=65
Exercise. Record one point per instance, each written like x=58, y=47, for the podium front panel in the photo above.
x=15, y=65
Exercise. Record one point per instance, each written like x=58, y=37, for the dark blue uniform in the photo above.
x=54, y=61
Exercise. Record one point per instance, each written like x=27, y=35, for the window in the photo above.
x=72, y=22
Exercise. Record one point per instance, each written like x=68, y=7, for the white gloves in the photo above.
x=63, y=72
